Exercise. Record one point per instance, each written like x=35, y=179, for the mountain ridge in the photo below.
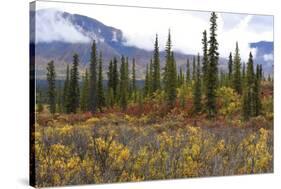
x=109, y=40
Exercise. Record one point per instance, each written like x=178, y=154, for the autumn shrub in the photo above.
x=259, y=122
x=229, y=100
x=118, y=147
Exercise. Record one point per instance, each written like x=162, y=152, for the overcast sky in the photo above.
x=139, y=26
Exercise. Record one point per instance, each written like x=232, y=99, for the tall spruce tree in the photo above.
x=257, y=92
x=110, y=76
x=197, y=94
x=147, y=81
x=187, y=79
x=151, y=77
x=134, y=87
x=51, y=78
x=230, y=65
x=84, y=101
x=205, y=60
x=246, y=106
x=213, y=56
x=123, y=85
x=127, y=75
x=110, y=97
x=100, y=91
x=66, y=103
x=261, y=76
x=93, y=79
x=170, y=74
x=115, y=77
x=194, y=68
x=237, y=85
x=74, y=93
x=59, y=97
x=156, y=67
x=259, y=71
x=180, y=78
x=168, y=61
x=243, y=74
x=248, y=94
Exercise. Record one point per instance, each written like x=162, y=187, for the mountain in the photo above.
x=60, y=34
x=264, y=55
x=110, y=41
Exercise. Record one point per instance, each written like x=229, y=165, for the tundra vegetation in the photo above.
x=183, y=122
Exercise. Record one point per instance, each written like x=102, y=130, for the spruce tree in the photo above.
x=250, y=72
x=150, y=77
x=146, y=81
x=213, y=57
x=180, y=78
x=134, y=87
x=51, y=78
x=197, y=88
x=115, y=79
x=100, y=91
x=248, y=94
x=93, y=79
x=168, y=62
x=205, y=60
x=156, y=67
x=194, y=69
x=246, y=104
x=110, y=98
x=59, y=98
x=123, y=85
x=127, y=75
x=74, y=94
x=187, y=72
x=110, y=76
x=261, y=72
x=257, y=92
x=243, y=74
x=170, y=74
x=230, y=65
x=66, y=103
x=173, y=81
x=237, y=85
x=84, y=101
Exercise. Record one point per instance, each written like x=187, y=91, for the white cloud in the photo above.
x=268, y=57
x=140, y=25
x=243, y=34
x=51, y=26
x=114, y=36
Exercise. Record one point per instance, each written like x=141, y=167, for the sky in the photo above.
x=140, y=25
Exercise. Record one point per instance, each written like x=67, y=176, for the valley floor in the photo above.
x=117, y=147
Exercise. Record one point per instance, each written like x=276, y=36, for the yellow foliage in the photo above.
x=136, y=151
x=93, y=120
x=259, y=157
x=230, y=100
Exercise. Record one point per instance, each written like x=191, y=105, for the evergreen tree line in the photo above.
x=204, y=79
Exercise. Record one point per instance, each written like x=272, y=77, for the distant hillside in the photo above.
x=264, y=55
x=109, y=40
